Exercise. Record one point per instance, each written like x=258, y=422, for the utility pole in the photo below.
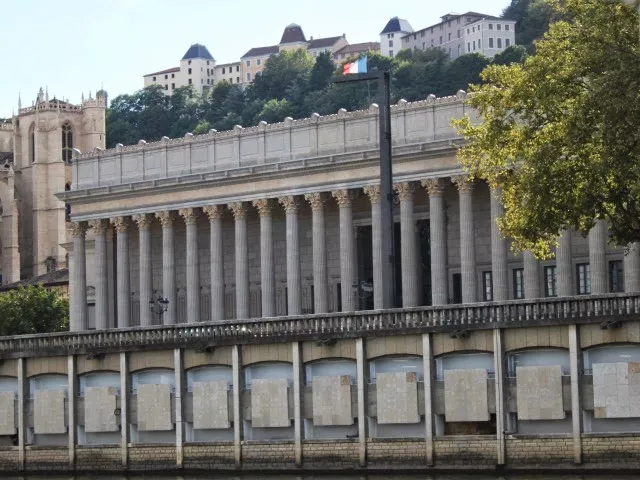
x=386, y=181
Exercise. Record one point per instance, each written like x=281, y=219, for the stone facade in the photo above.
x=39, y=143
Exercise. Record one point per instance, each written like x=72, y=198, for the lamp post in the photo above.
x=159, y=306
x=386, y=180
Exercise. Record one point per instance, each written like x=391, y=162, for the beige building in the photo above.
x=354, y=50
x=391, y=36
x=293, y=37
x=36, y=149
x=460, y=34
x=197, y=68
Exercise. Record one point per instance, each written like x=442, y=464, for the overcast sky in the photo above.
x=75, y=46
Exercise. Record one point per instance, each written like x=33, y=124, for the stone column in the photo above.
x=180, y=389
x=564, y=270
x=72, y=395
x=320, y=279
x=297, y=401
x=23, y=383
x=438, y=241
x=499, y=250
x=347, y=248
x=531, y=275
x=79, y=317
x=408, y=252
x=190, y=216
x=498, y=364
x=294, y=291
x=267, y=270
x=467, y=239
x=101, y=268
x=597, y=258
x=216, y=259
x=124, y=409
x=575, y=363
x=168, y=266
x=236, y=369
x=373, y=192
x=123, y=289
x=362, y=401
x=427, y=366
x=239, y=210
x=632, y=268
x=145, y=273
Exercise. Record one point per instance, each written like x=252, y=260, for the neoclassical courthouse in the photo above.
x=276, y=350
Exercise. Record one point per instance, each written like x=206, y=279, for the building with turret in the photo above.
x=36, y=148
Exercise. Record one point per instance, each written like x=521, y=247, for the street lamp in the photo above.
x=159, y=305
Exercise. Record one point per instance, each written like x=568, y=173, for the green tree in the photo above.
x=560, y=135
x=464, y=71
x=512, y=54
x=322, y=72
x=275, y=111
x=281, y=71
x=33, y=309
x=532, y=19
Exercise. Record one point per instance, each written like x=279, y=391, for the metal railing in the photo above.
x=448, y=318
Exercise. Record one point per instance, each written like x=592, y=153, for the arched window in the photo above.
x=67, y=143
x=32, y=143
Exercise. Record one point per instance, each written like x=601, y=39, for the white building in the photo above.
x=459, y=34
x=197, y=68
x=391, y=36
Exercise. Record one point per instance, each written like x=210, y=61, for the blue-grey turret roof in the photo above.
x=197, y=51
x=397, y=25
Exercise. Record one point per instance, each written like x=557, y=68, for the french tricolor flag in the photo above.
x=359, y=66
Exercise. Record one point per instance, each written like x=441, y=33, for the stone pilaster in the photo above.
x=531, y=275
x=632, y=268
x=79, y=317
x=409, y=263
x=347, y=248
x=294, y=305
x=267, y=269
x=467, y=239
x=123, y=289
x=373, y=192
x=145, y=273
x=239, y=210
x=168, y=266
x=438, y=240
x=215, y=213
x=499, y=250
x=597, y=258
x=190, y=216
x=320, y=279
x=564, y=270
x=101, y=280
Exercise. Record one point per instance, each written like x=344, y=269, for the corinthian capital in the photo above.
x=99, y=226
x=143, y=220
x=264, y=206
x=121, y=224
x=404, y=190
x=373, y=192
x=190, y=215
x=239, y=210
x=78, y=229
x=464, y=184
x=166, y=218
x=316, y=199
x=434, y=186
x=290, y=203
x=214, y=212
x=344, y=197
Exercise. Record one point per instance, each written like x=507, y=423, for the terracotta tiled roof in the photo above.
x=261, y=51
x=323, y=42
x=358, y=47
x=168, y=70
x=51, y=279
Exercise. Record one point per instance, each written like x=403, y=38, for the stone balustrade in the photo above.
x=524, y=313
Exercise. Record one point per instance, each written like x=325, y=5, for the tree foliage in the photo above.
x=292, y=84
x=33, y=310
x=560, y=134
x=532, y=19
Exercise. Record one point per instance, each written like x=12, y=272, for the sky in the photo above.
x=76, y=46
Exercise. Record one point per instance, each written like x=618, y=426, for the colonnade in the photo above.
x=435, y=188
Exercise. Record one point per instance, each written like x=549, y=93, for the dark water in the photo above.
x=354, y=476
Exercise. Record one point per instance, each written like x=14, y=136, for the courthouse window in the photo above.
x=616, y=276
x=584, y=278
x=67, y=143
x=518, y=283
x=550, y=281
x=487, y=286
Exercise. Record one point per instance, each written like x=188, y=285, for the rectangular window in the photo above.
x=407, y=39
x=166, y=87
x=616, y=276
x=440, y=39
x=173, y=85
x=248, y=63
x=499, y=40
x=468, y=31
x=392, y=35
x=173, y=75
x=391, y=43
x=166, y=77
x=391, y=53
x=550, y=281
x=491, y=26
x=189, y=71
x=479, y=43
x=506, y=42
x=457, y=288
x=479, y=27
x=518, y=283
x=487, y=286
x=223, y=72
x=237, y=68
x=449, y=37
x=468, y=47
x=498, y=26
x=490, y=42
x=458, y=33
x=248, y=76
x=237, y=79
x=473, y=29
x=584, y=278
x=506, y=27
x=474, y=45
x=258, y=61
x=154, y=79
x=190, y=82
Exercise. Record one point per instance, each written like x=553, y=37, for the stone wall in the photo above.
x=272, y=455
x=466, y=450
x=98, y=458
x=539, y=450
x=334, y=454
x=612, y=450
x=152, y=457
x=50, y=459
x=9, y=461
x=209, y=456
